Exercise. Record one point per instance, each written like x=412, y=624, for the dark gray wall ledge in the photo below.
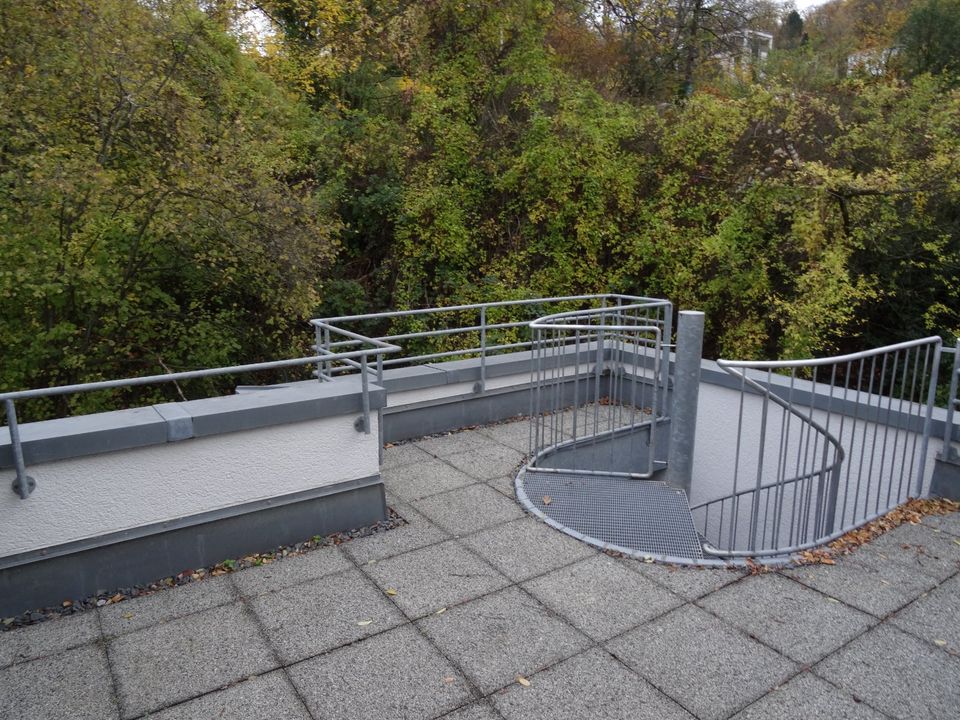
x=51, y=440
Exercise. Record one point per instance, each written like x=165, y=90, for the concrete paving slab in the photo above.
x=291, y=570
x=514, y=434
x=480, y=710
x=600, y=597
x=949, y=523
x=687, y=582
x=897, y=674
x=801, y=623
x=804, y=697
x=264, y=696
x=167, y=604
x=434, y=577
x=412, y=482
x=453, y=443
x=181, y=659
x=418, y=532
x=935, y=616
x=469, y=509
x=396, y=675
x=591, y=685
x=404, y=454
x=73, y=685
x=305, y=620
x=701, y=662
x=879, y=589
x=917, y=548
x=488, y=462
x=497, y=637
x=504, y=484
x=48, y=638
x=527, y=547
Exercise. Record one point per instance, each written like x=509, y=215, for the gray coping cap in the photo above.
x=51, y=440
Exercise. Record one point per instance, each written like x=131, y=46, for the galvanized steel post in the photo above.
x=686, y=387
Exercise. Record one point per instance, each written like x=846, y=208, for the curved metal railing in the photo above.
x=598, y=380
x=822, y=446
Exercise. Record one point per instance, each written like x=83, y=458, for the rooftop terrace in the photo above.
x=476, y=610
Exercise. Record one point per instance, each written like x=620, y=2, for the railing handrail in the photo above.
x=834, y=360
x=381, y=349
x=478, y=306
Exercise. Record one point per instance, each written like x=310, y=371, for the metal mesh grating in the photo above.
x=641, y=517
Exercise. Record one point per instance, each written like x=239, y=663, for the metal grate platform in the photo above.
x=637, y=517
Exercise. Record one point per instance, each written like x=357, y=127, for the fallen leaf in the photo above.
x=449, y=680
x=67, y=603
x=523, y=681
x=547, y=499
x=127, y=615
x=117, y=598
x=391, y=592
x=940, y=643
x=441, y=611
x=364, y=623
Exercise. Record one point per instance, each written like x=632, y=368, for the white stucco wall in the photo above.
x=90, y=496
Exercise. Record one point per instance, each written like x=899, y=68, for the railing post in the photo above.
x=23, y=484
x=483, y=350
x=953, y=402
x=686, y=389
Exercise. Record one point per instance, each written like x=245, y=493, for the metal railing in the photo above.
x=821, y=447
x=477, y=330
x=597, y=377
x=951, y=433
x=23, y=484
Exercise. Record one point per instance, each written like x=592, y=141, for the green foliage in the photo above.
x=168, y=201
x=930, y=38
x=159, y=205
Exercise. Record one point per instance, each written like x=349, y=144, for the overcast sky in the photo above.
x=807, y=4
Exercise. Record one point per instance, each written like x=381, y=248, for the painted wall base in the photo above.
x=80, y=570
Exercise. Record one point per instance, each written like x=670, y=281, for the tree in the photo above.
x=930, y=38
x=162, y=203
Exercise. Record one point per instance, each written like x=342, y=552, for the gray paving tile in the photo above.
x=264, y=696
x=166, y=605
x=404, y=454
x=453, y=443
x=394, y=675
x=590, y=685
x=527, y=547
x=48, y=638
x=322, y=614
x=935, y=616
x=412, y=482
x=897, y=674
x=469, y=509
x=417, y=533
x=804, y=697
x=488, y=462
x=480, y=710
x=73, y=685
x=434, y=577
x=178, y=660
x=948, y=523
x=291, y=570
x=699, y=661
x=499, y=636
x=601, y=597
x=515, y=434
x=801, y=623
x=505, y=485
x=916, y=548
x=879, y=589
x=687, y=582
